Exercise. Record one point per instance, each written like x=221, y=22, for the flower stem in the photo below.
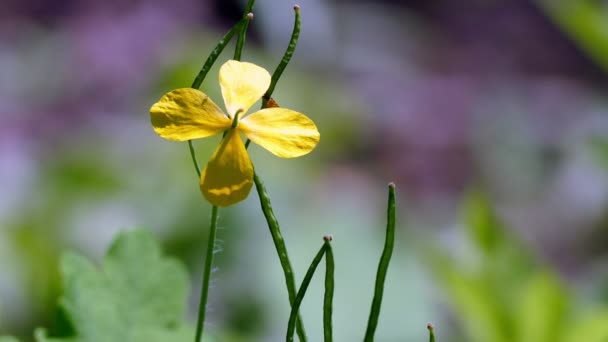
x=200, y=324
x=279, y=243
x=431, y=329
x=382, y=266
x=193, y=156
x=276, y=75
x=295, y=34
x=203, y=73
x=302, y=291
x=216, y=53
x=329, y=291
x=240, y=26
x=240, y=42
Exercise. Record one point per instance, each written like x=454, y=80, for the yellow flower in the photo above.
x=186, y=114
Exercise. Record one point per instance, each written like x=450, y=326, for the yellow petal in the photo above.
x=283, y=132
x=242, y=85
x=228, y=177
x=185, y=114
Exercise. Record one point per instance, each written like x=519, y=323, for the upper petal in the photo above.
x=228, y=176
x=185, y=114
x=284, y=132
x=242, y=85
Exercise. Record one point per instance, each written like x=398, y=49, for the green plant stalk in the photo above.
x=329, y=292
x=372, y=323
x=293, y=41
x=273, y=223
x=196, y=84
x=279, y=243
x=193, y=157
x=202, y=309
x=200, y=323
x=302, y=291
x=241, y=27
x=240, y=42
x=431, y=332
x=276, y=75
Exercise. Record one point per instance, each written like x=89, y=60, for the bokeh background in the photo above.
x=489, y=115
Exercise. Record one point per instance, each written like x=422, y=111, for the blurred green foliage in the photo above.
x=138, y=295
x=8, y=339
x=507, y=296
x=600, y=150
x=584, y=21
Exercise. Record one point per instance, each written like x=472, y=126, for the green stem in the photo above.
x=240, y=42
x=329, y=291
x=193, y=156
x=276, y=75
x=431, y=332
x=382, y=266
x=279, y=243
x=302, y=292
x=203, y=73
x=240, y=26
x=295, y=34
x=216, y=53
x=200, y=324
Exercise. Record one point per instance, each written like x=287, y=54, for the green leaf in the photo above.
x=483, y=226
x=480, y=313
x=137, y=295
x=585, y=23
x=592, y=328
x=542, y=309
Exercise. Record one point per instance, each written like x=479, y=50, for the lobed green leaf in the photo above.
x=137, y=295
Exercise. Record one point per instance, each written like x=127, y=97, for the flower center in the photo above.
x=235, y=121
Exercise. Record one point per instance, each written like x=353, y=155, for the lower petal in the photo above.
x=228, y=177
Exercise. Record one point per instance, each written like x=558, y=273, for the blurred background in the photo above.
x=490, y=116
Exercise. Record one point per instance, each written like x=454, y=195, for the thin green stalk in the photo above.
x=279, y=243
x=203, y=73
x=216, y=53
x=200, y=324
x=431, y=332
x=240, y=42
x=329, y=291
x=295, y=34
x=382, y=266
x=240, y=26
x=193, y=156
x=302, y=292
x=276, y=75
